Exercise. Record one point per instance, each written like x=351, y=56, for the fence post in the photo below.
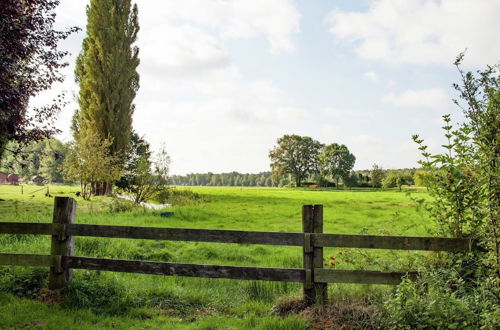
x=312, y=222
x=62, y=244
x=321, y=289
x=307, y=228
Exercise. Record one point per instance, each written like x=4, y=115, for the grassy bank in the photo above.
x=104, y=298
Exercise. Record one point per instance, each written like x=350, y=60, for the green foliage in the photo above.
x=377, y=175
x=262, y=179
x=120, y=205
x=139, y=149
x=295, y=155
x=22, y=281
x=336, y=161
x=99, y=294
x=107, y=76
x=146, y=178
x=162, y=301
x=397, y=179
x=89, y=163
x=464, y=183
x=441, y=299
x=43, y=158
x=178, y=196
x=420, y=177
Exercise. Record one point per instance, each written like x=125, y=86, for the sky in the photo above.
x=222, y=80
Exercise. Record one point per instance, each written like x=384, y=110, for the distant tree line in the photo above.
x=262, y=179
x=375, y=178
x=40, y=158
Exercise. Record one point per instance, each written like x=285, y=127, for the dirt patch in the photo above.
x=345, y=313
x=49, y=296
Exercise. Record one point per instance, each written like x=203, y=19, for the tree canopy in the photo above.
x=336, y=161
x=107, y=76
x=295, y=155
x=30, y=63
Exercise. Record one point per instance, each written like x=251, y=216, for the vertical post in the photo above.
x=307, y=228
x=320, y=289
x=312, y=222
x=62, y=244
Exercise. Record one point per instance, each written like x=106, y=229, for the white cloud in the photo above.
x=434, y=98
x=276, y=20
x=370, y=75
x=339, y=113
x=192, y=94
x=422, y=31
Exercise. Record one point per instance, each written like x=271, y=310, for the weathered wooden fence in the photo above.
x=312, y=240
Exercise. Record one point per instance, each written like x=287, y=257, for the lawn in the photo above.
x=114, y=299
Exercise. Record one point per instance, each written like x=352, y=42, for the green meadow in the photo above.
x=106, y=299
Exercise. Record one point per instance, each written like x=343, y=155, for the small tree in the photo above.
x=377, y=175
x=396, y=179
x=89, y=163
x=145, y=178
x=336, y=161
x=139, y=149
x=419, y=178
x=295, y=155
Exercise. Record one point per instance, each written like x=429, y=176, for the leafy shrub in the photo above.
x=462, y=290
x=441, y=299
x=23, y=282
x=178, y=197
x=117, y=205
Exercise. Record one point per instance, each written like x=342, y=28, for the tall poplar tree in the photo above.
x=107, y=75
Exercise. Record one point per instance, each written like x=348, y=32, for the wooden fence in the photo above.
x=314, y=277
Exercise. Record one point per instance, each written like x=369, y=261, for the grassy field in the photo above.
x=108, y=299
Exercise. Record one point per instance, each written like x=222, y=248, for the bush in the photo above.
x=441, y=299
x=117, y=205
x=178, y=197
x=23, y=282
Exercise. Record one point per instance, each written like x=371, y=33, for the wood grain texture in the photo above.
x=184, y=234
x=308, y=293
x=394, y=242
x=22, y=259
x=320, y=289
x=32, y=228
x=359, y=276
x=62, y=244
x=193, y=270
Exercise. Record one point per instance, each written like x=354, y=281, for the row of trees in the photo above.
x=304, y=158
x=376, y=177
x=262, y=179
x=38, y=158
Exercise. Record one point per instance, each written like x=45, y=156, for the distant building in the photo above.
x=13, y=178
x=3, y=178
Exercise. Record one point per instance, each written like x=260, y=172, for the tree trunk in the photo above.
x=102, y=188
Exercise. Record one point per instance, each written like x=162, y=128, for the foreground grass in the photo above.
x=133, y=300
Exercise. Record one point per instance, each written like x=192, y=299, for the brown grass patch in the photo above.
x=342, y=313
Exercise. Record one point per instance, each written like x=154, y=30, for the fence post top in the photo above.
x=64, y=200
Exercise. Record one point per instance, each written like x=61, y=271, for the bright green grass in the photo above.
x=205, y=303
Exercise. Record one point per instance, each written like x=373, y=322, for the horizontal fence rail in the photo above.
x=393, y=242
x=243, y=237
x=314, y=277
x=210, y=271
